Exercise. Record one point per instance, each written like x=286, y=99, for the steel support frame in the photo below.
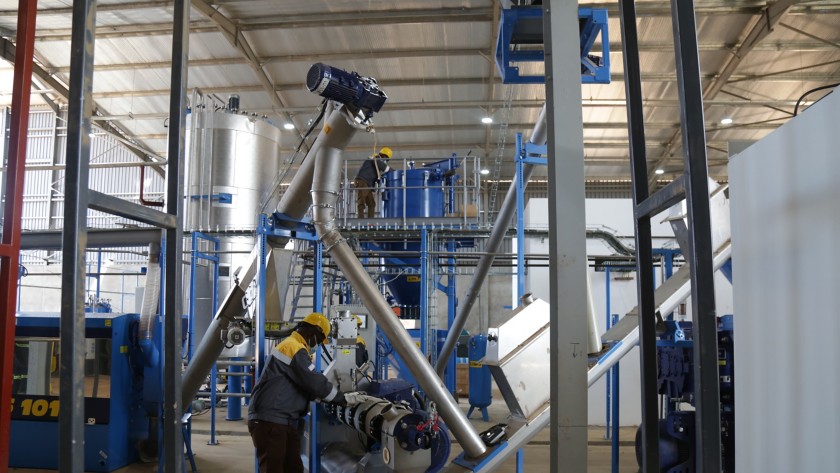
x=74, y=238
x=644, y=242
x=567, y=239
x=13, y=193
x=700, y=249
x=213, y=258
x=172, y=436
x=700, y=254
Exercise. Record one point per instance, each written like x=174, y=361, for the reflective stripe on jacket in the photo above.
x=288, y=383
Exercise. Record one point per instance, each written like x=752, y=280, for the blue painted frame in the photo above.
x=596, y=25
x=301, y=229
x=213, y=258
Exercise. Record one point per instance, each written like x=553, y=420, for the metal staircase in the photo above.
x=500, y=149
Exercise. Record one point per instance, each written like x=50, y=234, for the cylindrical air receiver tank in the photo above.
x=480, y=387
x=232, y=161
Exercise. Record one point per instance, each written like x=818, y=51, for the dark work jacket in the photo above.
x=288, y=384
x=368, y=172
x=361, y=351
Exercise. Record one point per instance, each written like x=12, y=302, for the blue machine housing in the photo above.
x=523, y=25
x=676, y=381
x=428, y=192
x=110, y=436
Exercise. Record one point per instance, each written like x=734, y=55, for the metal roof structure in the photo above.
x=435, y=61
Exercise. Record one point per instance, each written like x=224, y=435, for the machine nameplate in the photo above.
x=46, y=408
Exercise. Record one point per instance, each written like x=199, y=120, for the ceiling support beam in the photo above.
x=349, y=18
x=445, y=82
x=135, y=146
x=761, y=27
x=322, y=57
x=236, y=37
x=478, y=104
x=312, y=20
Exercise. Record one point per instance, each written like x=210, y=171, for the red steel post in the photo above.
x=12, y=215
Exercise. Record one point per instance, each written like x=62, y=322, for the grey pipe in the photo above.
x=295, y=203
x=211, y=345
x=538, y=136
x=151, y=295
x=325, y=190
x=296, y=200
x=149, y=308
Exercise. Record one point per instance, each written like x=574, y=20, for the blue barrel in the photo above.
x=480, y=386
x=423, y=193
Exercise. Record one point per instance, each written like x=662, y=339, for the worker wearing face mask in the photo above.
x=281, y=397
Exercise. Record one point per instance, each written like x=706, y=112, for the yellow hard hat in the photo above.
x=317, y=319
x=386, y=151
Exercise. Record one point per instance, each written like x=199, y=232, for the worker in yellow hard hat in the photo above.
x=281, y=397
x=366, y=179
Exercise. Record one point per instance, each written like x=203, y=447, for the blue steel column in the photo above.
x=260, y=322
x=424, y=292
x=317, y=306
x=191, y=311
x=520, y=219
x=173, y=440
x=449, y=379
x=10, y=243
x=520, y=250
x=234, y=379
x=609, y=375
x=213, y=373
x=567, y=238
x=71, y=454
x=615, y=403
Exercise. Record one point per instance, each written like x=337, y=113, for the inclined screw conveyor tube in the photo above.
x=539, y=136
x=294, y=204
x=325, y=189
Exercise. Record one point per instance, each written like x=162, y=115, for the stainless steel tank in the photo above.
x=232, y=161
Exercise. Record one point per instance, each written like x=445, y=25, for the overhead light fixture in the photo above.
x=485, y=172
x=289, y=126
x=659, y=171
x=726, y=121
x=487, y=120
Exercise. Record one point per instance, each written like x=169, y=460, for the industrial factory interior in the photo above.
x=421, y=236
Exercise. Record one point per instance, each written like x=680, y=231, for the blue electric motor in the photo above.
x=481, y=394
x=346, y=87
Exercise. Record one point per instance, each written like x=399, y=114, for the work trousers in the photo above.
x=365, y=203
x=278, y=447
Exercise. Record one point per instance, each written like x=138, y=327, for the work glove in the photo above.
x=354, y=398
x=339, y=399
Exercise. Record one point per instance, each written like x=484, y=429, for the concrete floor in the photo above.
x=234, y=452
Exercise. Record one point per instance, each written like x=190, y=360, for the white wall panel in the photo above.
x=785, y=201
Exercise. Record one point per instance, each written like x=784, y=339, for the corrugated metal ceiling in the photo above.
x=433, y=60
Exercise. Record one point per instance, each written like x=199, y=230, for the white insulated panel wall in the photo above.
x=785, y=203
